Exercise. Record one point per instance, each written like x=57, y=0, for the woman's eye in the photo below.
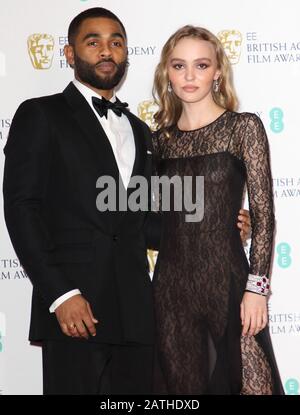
x=178, y=66
x=202, y=65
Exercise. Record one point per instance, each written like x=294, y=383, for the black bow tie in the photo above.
x=102, y=105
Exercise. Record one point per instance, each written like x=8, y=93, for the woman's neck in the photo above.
x=198, y=114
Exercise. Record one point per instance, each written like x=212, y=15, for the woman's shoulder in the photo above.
x=161, y=139
x=247, y=117
x=247, y=122
x=160, y=135
x=156, y=140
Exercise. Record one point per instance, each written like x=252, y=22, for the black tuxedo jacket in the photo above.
x=56, y=151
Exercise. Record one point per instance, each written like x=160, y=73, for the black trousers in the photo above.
x=78, y=367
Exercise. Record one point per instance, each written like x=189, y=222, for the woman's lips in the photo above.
x=190, y=88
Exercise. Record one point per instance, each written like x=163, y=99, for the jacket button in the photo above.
x=115, y=237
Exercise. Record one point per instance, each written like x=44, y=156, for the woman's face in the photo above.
x=192, y=68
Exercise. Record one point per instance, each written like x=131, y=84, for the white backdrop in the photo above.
x=263, y=43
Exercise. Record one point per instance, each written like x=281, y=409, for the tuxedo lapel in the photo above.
x=142, y=163
x=92, y=130
x=140, y=145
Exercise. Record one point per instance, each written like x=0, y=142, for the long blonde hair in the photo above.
x=170, y=106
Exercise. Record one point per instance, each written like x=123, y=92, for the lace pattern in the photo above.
x=197, y=261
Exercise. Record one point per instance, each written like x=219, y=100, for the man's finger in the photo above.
x=73, y=330
x=65, y=329
x=244, y=212
x=245, y=231
x=245, y=219
x=91, y=313
x=245, y=224
x=91, y=327
x=82, y=330
x=88, y=323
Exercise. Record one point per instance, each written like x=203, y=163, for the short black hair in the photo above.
x=87, y=14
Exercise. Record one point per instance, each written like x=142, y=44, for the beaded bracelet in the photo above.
x=259, y=284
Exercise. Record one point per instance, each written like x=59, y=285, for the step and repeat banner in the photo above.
x=262, y=40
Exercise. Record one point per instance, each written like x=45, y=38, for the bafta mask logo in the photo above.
x=152, y=257
x=146, y=111
x=40, y=49
x=232, y=44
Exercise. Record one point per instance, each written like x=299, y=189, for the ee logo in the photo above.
x=276, y=115
x=292, y=387
x=284, y=258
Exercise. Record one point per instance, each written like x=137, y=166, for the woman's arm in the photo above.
x=255, y=153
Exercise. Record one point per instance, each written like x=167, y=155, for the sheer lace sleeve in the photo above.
x=255, y=152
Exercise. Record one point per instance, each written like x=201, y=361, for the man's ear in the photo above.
x=69, y=54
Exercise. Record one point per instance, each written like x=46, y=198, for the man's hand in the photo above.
x=244, y=224
x=254, y=314
x=76, y=318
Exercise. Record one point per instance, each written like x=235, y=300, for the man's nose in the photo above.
x=105, y=50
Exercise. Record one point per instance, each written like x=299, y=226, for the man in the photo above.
x=92, y=301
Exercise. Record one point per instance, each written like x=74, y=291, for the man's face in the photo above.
x=99, y=53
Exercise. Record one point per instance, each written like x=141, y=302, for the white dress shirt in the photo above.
x=120, y=136
x=118, y=131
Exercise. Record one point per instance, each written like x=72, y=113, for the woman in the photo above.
x=211, y=307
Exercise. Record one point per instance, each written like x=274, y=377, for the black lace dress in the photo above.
x=202, y=270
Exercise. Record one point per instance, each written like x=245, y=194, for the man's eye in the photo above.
x=116, y=43
x=93, y=43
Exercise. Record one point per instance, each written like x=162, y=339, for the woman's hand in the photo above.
x=254, y=314
x=244, y=224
